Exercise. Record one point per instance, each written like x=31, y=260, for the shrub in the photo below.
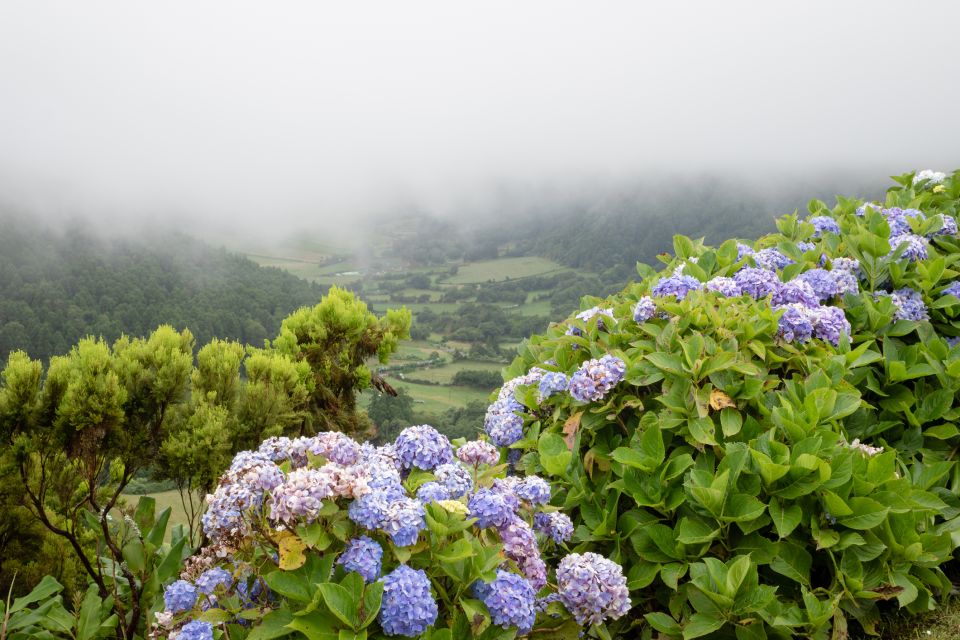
x=325, y=538
x=764, y=435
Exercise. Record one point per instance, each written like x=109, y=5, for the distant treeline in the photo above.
x=57, y=286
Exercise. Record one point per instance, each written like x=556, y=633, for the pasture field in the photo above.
x=444, y=374
x=438, y=398
x=503, y=268
x=165, y=499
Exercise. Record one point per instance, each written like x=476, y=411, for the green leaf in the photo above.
x=47, y=586
x=274, y=624
x=667, y=362
x=340, y=602
x=702, y=430
x=701, y=624
x=289, y=585
x=663, y=623
x=792, y=561
x=315, y=626
x=554, y=455
x=372, y=597
x=785, y=520
x=865, y=514
x=731, y=422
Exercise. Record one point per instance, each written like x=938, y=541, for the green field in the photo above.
x=165, y=499
x=438, y=398
x=444, y=374
x=503, y=268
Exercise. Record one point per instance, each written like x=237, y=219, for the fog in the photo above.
x=268, y=117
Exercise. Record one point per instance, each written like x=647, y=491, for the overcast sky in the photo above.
x=280, y=112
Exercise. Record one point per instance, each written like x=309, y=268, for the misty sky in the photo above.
x=279, y=113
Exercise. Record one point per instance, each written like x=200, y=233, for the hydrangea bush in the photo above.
x=323, y=537
x=763, y=434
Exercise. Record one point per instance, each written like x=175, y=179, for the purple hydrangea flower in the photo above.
x=829, y=323
x=847, y=282
x=644, y=309
x=510, y=599
x=502, y=423
x=432, y=492
x=300, y=496
x=909, y=305
x=408, y=607
x=242, y=487
x=862, y=209
x=806, y=246
x=948, y=226
x=795, y=291
x=796, y=323
x=520, y=545
x=914, y=246
x=423, y=447
x=851, y=265
x=196, y=630
x=596, y=312
x=477, y=452
x=592, y=588
x=822, y=282
x=594, y=379
x=455, y=478
x=824, y=224
x=491, y=508
x=363, y=555
x=953, y=289
x=334, y=446
x=179, y=596
x=403, y=522
x=724, y=286
x=677, y=286
x=897, y=219
x=534, y=489
x=953, y=341
x=743, y=250
x=757, y=283
x=555, y=525
x=209, y=579
x=551, y=383
x=771, y=259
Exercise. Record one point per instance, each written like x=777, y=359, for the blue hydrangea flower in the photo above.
x=897, y=219
x=589, y=314
x=771, y=259
x=363, y=555
x=948, y=226
x=455, y=479
x=795, y=291
x=592, y=588
x=179, y=596
x=196, y=630
x=824, y=224
x=862, y=209
x=534, y=489
x=909, y=305
x=822, y=282
x=829, y=323
x=757, y=283
x=501, y=422
x=209, y=579
x=914, y=246
x=851, y=265
x=551, y=383
x=677, y=286
x=520, y=545
x=953, y=289
x=403, y=521
x=796, y=323
x=491, y=508
x=805, y=246
x=510, y=599
x=432, y=492
x=743, y=250
x=408, y=607
x=847, y=282
x=423, y=447
x=953, y=341
x=555, y=525
x=594, y=379
x=644, y=309
x=724, y=286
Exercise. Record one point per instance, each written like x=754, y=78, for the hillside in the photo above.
x=60, y=285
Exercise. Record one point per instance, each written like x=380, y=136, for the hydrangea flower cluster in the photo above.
x=914, y=247
x=931, y=177
x=502, y=423
x=179, y=596
x=594, y=379
x=552, y=382
x=423, y=447
x=555, y=525
x=592, y=588
x=210, y=579
x=363, y=555
x=757, y=283
x=771, y=259
x=477, y=452
x=408, y=607
x=510, y=599
x=953, y=289
x=196, y=630
x=908, y=305
x=588, y=315
x=644, y=309
x=824, y=224
x=677, y=286
x=948, y=226
x=724, y=286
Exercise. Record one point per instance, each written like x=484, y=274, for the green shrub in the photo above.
x=755, y=480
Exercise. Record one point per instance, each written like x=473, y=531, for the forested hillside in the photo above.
x=58, y=286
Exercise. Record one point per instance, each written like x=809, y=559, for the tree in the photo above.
x=390, y=413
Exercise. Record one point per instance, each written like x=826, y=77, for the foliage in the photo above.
x=58, y=287
x=763, y=468
x=51, y=619
x=323, y=538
